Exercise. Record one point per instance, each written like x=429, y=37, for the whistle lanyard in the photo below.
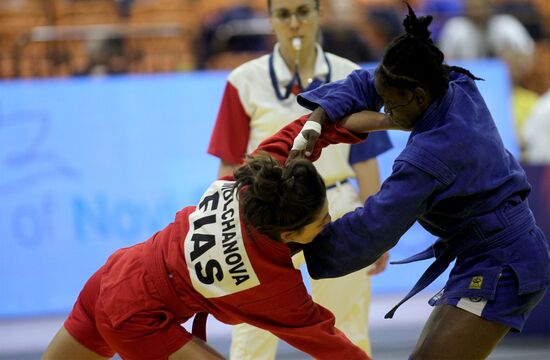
x=295, y=80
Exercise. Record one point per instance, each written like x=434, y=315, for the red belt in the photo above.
x=154, y=264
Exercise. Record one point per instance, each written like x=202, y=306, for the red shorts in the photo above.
x=120, y=311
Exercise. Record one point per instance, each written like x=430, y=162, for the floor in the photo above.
x=25, y=339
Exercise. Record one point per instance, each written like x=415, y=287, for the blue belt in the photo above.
x=445, y=250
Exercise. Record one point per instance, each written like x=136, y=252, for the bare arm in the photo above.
x=360, y=122
x=368, y=181
x=368, y=178
x=368, y=121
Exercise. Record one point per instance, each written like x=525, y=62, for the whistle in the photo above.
x=297, y=43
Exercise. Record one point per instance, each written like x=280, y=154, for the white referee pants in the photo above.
x=348, y=297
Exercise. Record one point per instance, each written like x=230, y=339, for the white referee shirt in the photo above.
x=251, y=111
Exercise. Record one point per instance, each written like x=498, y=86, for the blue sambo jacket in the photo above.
x=454, y=177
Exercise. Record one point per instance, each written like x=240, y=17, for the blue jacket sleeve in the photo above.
x=340, y=98
x=357, y=239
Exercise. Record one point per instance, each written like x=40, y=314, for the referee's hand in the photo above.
x=379, y=265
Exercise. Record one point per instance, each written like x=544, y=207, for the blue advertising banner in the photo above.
x=89, y=165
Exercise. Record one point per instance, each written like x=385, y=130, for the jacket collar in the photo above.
x=434, y=112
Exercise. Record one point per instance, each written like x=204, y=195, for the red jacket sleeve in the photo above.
x=232, y=129
x=295, y=318
x=279, y=144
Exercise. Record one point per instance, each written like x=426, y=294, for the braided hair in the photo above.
x=413, y=60
x=279, y=198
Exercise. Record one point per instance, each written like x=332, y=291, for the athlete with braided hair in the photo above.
x=456, y=179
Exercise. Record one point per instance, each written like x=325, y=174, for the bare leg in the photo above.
x=64, y=346
x=196, y=349
x=452, y=333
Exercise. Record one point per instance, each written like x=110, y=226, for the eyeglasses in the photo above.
x=303, y=14
x=389, y=106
